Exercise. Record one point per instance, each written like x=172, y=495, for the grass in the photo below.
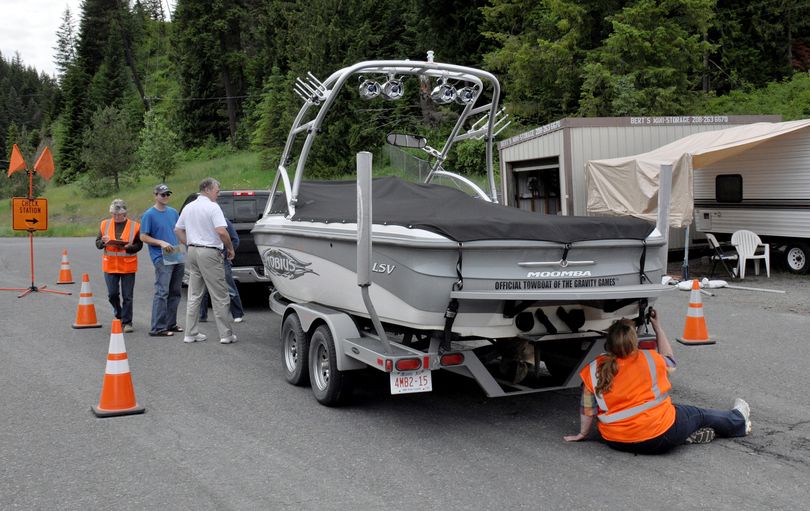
x=70, y=213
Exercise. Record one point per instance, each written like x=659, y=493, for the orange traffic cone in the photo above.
x=86, y=313
x=65, y=276
x=695, y=332
x=117, y=394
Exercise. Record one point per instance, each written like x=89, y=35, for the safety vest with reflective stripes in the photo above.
x=115, y=259
x=638, y=406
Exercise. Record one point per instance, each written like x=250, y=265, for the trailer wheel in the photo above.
x=294, y=351
x=796, y=258
x=330, y=386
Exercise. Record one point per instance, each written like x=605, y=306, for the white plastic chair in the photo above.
x=721, y=257
x=747, y=243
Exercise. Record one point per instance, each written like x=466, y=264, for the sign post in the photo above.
x=29, y=213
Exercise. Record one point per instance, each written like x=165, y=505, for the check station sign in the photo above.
x=29, y=214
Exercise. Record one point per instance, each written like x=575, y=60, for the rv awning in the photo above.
x=629, y=185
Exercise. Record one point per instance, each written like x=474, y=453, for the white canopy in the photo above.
x=629, y=185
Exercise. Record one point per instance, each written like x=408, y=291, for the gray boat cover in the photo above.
x=454, y=214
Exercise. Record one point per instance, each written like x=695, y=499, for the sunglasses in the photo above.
x=168, y=194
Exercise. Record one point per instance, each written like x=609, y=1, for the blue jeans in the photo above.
x=126, y=283
x=688, y=419
x=168, y=289
x=237, y=311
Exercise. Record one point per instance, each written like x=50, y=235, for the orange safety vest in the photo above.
x=637, y=407
x=115, y=259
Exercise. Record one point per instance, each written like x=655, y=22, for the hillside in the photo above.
x=72, y=214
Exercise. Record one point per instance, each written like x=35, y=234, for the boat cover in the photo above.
x=454, y=214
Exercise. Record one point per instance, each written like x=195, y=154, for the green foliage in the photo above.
x=108, y=152
x=790, y=98
x=539, y=50
x=222, y=72
x=208, y=149
x=273, y=115
x=65, y=43
x=70, y=213
x=651, y=63
x=98, y=77
x=757, y=42
x=467, y=158
x=210, y=61
x=157, y=154
x=28, y=100
x=17, y=185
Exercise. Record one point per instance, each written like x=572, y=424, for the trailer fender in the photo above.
x=339, y=323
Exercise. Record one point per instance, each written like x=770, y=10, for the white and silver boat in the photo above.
x=447, y=261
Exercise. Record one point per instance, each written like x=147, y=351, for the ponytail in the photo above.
x=605, y=373
x=621, y=341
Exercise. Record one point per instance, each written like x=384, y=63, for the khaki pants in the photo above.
x=206, y=270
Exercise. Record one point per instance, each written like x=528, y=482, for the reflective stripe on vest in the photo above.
x=607, y=417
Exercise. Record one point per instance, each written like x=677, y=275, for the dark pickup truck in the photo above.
x=243, y=208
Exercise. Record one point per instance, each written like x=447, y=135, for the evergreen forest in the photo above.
x=139, y=87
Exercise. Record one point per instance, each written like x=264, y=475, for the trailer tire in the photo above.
x=796, y=254
x=294, y=351
x=329, y=386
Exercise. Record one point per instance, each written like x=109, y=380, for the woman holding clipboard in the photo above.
x=119, y=238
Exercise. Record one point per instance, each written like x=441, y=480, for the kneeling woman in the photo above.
x=627, y=390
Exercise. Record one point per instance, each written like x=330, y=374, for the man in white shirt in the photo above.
x=202, y=228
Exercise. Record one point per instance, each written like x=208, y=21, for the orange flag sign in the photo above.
x=17, y=162
x=44, y=165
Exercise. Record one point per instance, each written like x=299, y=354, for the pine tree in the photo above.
x=65, y=44
x=210, y=60
x=652, y=61
x=157, y=154
x=109, y=152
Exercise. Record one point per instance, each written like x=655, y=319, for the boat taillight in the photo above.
x=408, y=364
x=648, y=343
x=452, y=359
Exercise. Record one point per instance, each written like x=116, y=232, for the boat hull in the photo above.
x=414, y=273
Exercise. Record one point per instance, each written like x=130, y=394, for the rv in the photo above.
x=766, y=190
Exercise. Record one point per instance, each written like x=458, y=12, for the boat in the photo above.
x=448, y=261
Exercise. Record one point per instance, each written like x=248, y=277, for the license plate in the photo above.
x=406, y=382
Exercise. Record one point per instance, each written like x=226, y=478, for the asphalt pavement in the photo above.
x=223, y=430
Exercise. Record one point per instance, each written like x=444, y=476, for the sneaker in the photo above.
x=741, y=406
x=128, y=328
x=195, y=338
x=228, y=340
x=701, y=436
x=239, y=319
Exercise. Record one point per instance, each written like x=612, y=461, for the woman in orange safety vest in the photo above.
x=627, y=391
x=119, y=238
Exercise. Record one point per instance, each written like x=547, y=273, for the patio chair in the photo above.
x=720, y=257
x=747, y=244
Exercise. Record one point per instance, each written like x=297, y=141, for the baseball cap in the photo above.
x=162, y=188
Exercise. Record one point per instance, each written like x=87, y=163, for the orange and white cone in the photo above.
x=695, y=332
x=117, y=394
x=65, y=276
x=86, y=313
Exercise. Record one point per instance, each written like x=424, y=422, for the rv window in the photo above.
x=728, y=188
